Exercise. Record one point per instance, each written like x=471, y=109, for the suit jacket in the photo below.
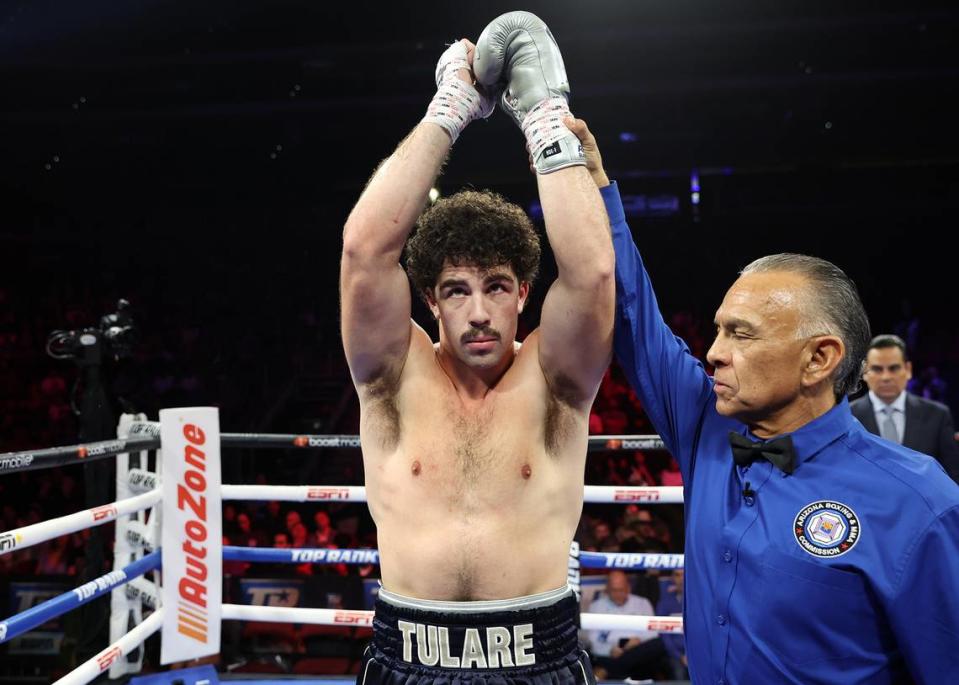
x=929, y=429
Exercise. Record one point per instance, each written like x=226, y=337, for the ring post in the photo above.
x=192, y=539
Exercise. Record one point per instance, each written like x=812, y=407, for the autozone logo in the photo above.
x=106, y=659
x=107, y=511
x=16, y=462
x=192, y=619
x=353, y=618
x=636, y=495
x=327, y=493
x=666, y=626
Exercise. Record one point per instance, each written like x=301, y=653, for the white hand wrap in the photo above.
x=456, y=102
x=551, y=144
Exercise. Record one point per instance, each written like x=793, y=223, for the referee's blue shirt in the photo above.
x=846, y=571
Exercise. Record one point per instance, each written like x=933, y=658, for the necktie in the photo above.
x=779, y=452
x=888, y=428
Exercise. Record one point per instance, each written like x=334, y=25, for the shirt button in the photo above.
x=750, y=501
x=721, y=619
x=727, y=556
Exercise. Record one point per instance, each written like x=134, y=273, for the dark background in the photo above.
x=200, y=158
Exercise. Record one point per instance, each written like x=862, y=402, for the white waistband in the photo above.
x=541, y=599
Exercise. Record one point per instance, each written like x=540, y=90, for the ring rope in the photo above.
x=322, y=555
x=348, y=618
x=145, y=436
x=61, y=604
x=27, y=536
x=91, y=668
x=668, y=494
x=143, y=440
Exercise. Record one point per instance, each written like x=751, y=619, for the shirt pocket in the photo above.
x=811, y=612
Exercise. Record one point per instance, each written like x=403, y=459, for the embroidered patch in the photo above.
x=826, y=528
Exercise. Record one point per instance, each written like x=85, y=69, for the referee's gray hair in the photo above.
x=831, y=305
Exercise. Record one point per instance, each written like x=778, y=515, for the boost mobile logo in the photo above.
x=334, y=441
x=16, y=462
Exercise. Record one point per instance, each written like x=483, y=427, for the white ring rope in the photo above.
x=346, y=618
x=672, y=494
x=148, y=484
x=18, y=538
x=89, y=670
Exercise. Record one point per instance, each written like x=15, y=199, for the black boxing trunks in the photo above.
x=528, y=641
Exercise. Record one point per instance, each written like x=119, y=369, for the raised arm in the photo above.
x=518, y=51
x=671, y=383
x=375, y=296
x=576, y=326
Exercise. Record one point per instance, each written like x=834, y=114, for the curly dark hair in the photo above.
x=476, y=228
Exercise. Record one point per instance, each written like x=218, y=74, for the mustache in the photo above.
x=477, y=333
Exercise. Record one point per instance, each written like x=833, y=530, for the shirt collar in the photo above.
x=878, y=406
x=810, y=439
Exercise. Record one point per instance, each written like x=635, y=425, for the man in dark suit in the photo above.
x=891, y=412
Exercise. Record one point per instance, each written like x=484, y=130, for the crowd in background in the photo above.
x=182, y=360
x=179, y=358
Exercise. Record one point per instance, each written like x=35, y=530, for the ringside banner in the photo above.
x=192, y=536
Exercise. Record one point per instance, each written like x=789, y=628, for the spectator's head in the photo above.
x=300, y=534
x=609, y=544
x=601, y=530
x=273, y=509
x=292, y=520
x=322, y=520
x=675, y=585
x=644, y=519
x=617, y=587
x=281, y=541
x=888, y=368
x=229, y=513
x=243, y=523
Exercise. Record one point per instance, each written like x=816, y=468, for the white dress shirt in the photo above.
x=898, y=415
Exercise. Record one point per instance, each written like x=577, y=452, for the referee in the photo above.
x=816, y=552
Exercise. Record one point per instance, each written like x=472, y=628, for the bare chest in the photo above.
x=476, y=446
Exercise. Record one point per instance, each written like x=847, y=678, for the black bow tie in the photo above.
x=779, y=451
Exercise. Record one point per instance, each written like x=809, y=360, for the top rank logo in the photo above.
x=826, y=528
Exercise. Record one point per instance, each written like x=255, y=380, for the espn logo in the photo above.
x=636, y=495
x=107, y=511
x=664, y=625
x=353, y=618
x=106, y=659
x=327, y=493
